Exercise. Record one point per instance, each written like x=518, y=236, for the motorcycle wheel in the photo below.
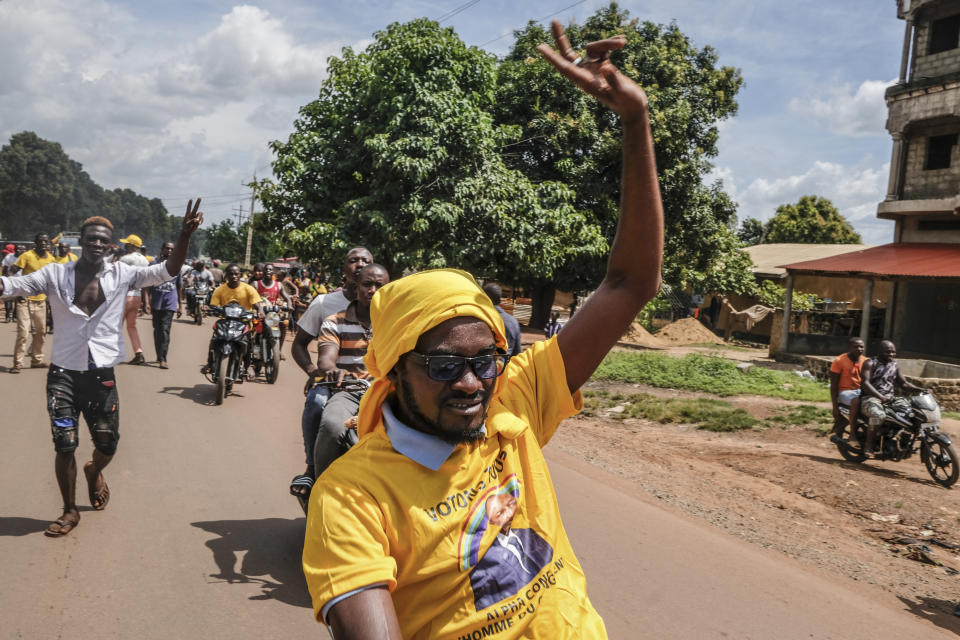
x=272, y=367
x=941, y=462
x=852, y=448
x=198, y=317
x=222, y=379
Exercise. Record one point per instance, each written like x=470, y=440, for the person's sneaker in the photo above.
x=39, y=365
x=138, y=359
x=163, y=364
x=15, y=369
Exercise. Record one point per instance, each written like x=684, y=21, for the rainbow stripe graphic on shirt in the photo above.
x=468, y=550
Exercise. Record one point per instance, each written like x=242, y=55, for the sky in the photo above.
x=181, y=98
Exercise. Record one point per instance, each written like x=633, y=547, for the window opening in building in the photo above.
x=938, y=225
x=939, y=149
x=944, y=34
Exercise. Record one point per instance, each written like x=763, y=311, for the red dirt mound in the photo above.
x=636, y=334
x=686, y=331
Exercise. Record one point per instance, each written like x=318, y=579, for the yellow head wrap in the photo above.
x=405, y=309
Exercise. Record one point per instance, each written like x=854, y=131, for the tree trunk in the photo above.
x=541, y=299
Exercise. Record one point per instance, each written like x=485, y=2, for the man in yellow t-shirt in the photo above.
x=65, y=254
x=442, y=521
x=234, y=290
x=32, y=312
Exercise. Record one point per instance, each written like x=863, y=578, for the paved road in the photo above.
x=200, y=539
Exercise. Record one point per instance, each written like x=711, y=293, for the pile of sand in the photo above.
x=636, y=334
x=686, y=331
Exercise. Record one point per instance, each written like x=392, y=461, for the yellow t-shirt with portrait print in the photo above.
x=29, y=262
x=474, y=549
x=243, y=293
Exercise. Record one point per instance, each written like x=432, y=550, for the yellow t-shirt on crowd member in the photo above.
x=473, y=549
x=244, y=294
x=29, y=262
x=70, y=257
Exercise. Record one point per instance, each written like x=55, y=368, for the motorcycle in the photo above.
x=350, y=437
x=201, y=296
x=910, y=424
x=228, y=347
x=264, y=353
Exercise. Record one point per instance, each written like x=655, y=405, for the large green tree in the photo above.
x=812, y=220
x=229, y=243
x=400, y=153
x=570, y=138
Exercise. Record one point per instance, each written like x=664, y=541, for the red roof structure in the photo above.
x=890, y=261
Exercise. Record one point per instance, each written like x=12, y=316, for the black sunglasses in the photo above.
x=445, y=368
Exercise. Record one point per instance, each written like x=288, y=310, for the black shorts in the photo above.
x=91, y=393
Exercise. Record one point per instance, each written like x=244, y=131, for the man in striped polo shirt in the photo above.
x=342, y=343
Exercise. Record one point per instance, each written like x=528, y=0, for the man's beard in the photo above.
x=464, y=436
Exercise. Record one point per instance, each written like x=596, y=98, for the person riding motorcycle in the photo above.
x=198, y=274
x=233, y=290
x=879, y=378
x=307, y=330
x=342, y=344
x=270, y=290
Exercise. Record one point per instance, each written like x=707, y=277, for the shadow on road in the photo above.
x=272, y=547
x=854, y=466
x=13, y=526
x=199, y=393
x=935, y=611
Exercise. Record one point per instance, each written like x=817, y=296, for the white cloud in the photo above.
x=857, y=114
x=855, y=190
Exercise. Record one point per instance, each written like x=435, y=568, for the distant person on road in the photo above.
x=164, y=303
x=9, y=259
x=396, y=524
x=552, y=327
x=234, y=290
x=217, y=273
x=133, y=257
x=88, y=299
x=32, y=312
x=275, y=295
x=321, y=308
x=65, y=253
x=845, y=386
x=512, y=326
x=880, y=377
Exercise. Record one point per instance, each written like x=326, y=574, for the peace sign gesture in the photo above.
x=595, y=74
x=193, y=217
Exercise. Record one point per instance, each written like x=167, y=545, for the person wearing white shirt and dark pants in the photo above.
x=87, y=299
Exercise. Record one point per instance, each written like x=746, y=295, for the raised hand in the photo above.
x=193, y=217
x=595, y=74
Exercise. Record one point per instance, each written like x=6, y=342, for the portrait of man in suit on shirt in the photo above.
x=512, y=561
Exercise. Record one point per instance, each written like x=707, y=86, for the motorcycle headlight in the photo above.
x=272, y=319
x=233, y=311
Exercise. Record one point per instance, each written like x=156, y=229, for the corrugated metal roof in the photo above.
x=899, y=260
x=766, y=257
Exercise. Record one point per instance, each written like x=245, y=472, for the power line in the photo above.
x=459, y=9
x=559, y=11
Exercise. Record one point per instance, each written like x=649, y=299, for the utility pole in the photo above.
x=253, y=198
x=238, y=215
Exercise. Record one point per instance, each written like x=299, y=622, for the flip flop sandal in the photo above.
x=63, y=527
x=301, y=481
x=103, y=495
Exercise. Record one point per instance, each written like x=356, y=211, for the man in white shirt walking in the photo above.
x=87, y=299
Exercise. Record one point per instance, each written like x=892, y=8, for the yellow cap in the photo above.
x=134, y=240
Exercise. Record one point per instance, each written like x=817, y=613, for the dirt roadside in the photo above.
x=789, y=490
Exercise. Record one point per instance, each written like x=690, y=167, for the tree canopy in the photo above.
x=43, y=190
x=569, y=137
x=813, y=220
x=400, y=153
x=228, y=242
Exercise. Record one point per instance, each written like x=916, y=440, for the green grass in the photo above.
x=705, y=413
x=709, y=414
x=718, y=376
x=953, y=415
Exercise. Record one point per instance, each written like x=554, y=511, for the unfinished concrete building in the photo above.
x=923, y=198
